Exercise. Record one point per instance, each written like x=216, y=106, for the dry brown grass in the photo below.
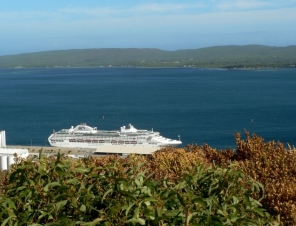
x=269, y=163
x=274, y=166
x=3, y=180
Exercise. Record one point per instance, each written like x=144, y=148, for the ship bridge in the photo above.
x=83, y=128
x=131, y=129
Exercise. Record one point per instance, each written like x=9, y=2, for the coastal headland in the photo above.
x=226, y=57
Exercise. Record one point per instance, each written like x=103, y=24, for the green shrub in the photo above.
x=65, y=192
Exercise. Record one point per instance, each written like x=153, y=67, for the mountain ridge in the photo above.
x=231, y=56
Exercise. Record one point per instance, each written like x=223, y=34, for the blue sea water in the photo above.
x=200, y=105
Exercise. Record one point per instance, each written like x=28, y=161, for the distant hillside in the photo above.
x=249, y=56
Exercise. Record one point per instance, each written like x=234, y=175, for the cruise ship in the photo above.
x=84, y=136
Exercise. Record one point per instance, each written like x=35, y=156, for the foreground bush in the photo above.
x=269, y=163
x=61, y=191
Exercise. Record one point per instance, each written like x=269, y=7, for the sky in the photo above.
x=34, y=26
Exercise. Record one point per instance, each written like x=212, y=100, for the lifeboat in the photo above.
x=133, y=142
x=120, y=142
x=94, y=141
x=101, y=141
x=113, y=142
x=88, y=141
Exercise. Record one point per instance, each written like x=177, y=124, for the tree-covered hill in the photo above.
x=249, y=56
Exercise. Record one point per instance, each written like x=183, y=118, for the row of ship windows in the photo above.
x=99, y=141
x=102, y=137
x=53, y=141
x=103, y=141
x=96, y=141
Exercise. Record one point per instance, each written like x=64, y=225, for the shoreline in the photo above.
x=160, y=67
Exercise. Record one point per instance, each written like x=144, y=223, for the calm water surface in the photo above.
x=200, y=105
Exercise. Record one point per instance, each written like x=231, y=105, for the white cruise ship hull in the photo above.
x=85, y=137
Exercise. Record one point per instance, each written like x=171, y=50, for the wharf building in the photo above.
x=7, y=155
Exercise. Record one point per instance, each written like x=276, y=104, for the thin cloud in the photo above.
x=243, y=5
x=22, y=16
x=141, y=10
x=151, y=8
x=159, y=19
x=160, y=8
x=102, y=18
x=88, y=11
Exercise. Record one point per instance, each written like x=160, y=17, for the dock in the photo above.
x=101, y=150
x=52, y=150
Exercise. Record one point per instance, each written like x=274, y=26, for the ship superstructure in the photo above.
x=84, y=136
